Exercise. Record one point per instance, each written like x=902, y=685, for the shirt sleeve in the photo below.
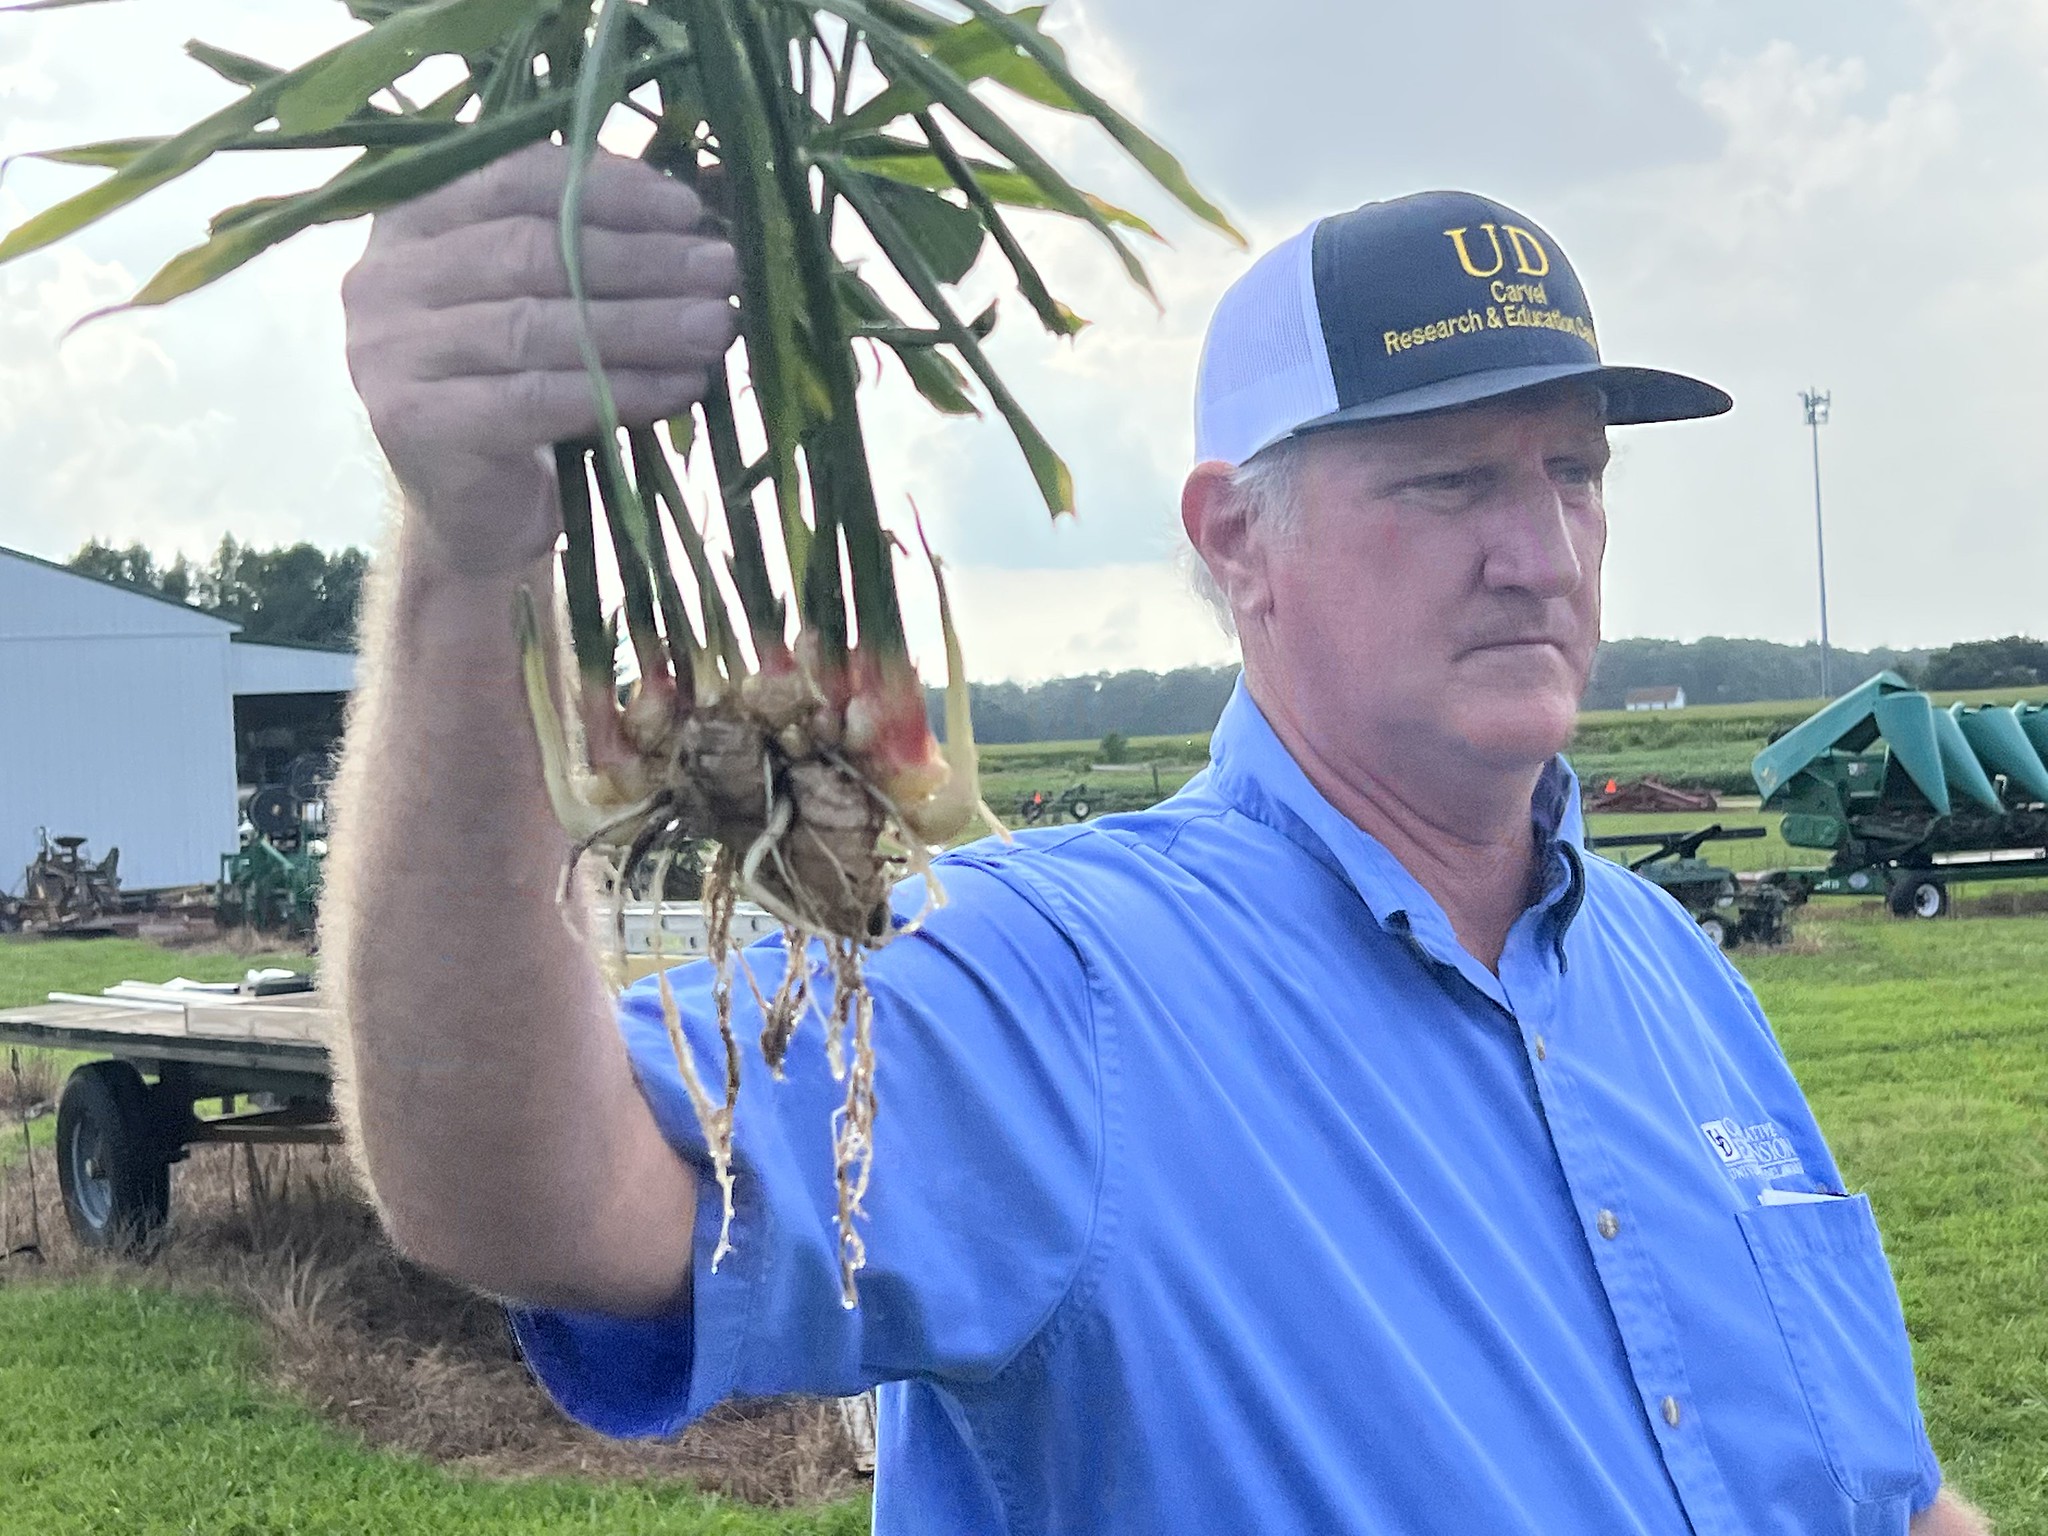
x=987, y=1163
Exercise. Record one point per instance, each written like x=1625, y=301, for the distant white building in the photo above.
x=123, y=717
x=1653, y=698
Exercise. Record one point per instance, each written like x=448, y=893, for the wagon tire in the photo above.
x=1717, y=930
x=1079, y=809
x=111, y=1163
x=1921, y=897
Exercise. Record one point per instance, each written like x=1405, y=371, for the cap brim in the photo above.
x=1634, y=395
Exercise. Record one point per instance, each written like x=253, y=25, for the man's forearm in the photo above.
x=490, y=1096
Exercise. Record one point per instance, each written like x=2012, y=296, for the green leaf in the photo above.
x=241, y=213
x=180, y=153
x=947, y=235
x=364, y=187
x=916, y=166
x=1157, y=163
x=897, y=58
x=972, y=50
x=109, y=153
x=1052, y=314
x=384, y=132
x=1055, y=480
x=932, y=373
x=350, y=75
x=167, y=160
x=235, y=68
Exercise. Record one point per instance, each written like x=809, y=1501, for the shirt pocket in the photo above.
x=1824, y=1270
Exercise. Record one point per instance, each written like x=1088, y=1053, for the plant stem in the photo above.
x=589, y=636
x=648, y=647
x=766, y=616
x=835, y=453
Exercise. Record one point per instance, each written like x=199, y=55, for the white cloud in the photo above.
x=1027, y=625
x=1842, y=195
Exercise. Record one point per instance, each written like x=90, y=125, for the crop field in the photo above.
x=1707, y=745
x=153, y=1401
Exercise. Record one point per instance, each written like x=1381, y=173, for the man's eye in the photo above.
x=1573, y=472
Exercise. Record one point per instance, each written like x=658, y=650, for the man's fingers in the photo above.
x=534, y=409
x=517, y=257
x=618, y=193
x=545, y=336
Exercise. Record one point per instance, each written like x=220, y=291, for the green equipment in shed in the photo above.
x=272, y=882
x=1909, y=797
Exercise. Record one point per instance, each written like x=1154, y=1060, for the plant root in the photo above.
x=784, y=774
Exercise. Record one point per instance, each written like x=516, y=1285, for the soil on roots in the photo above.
x=404, y=1359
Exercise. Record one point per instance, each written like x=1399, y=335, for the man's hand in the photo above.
x=463, y=339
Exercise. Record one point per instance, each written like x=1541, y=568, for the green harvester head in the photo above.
x=1883, y=776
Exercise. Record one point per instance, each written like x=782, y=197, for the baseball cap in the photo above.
x=1416, y=304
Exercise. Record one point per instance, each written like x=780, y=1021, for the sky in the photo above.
x=1834, y=193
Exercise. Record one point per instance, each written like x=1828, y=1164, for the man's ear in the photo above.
x=1213, y=513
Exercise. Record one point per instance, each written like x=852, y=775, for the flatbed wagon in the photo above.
x=260, y=1057
x=123, y=1120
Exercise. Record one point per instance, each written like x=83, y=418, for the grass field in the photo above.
x=137, y=1411
x=1922, y=1046
x=31, y=969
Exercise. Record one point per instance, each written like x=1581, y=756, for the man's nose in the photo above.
x=1529, y=541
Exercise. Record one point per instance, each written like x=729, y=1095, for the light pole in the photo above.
x=1816, y=403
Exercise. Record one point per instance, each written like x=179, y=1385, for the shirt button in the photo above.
x=1542, y=1050
x=1671, y=1413
x=1608, y=1223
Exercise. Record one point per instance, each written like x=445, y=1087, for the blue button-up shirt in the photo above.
x=1218, y=1189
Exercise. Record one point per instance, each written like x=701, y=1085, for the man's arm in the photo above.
x=1950, y=1515
x=489, y=1095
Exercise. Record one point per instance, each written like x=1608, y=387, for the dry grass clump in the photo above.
x=406, y=1360
x=29, y=1084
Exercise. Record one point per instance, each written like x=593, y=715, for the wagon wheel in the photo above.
x=1715, y=929
x=111, y=1166
x=1919, y=896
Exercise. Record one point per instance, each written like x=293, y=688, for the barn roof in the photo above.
x=41, y=600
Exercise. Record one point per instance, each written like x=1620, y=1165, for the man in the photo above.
x=1332, y=1149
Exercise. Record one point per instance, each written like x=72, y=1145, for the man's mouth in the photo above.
x=1519, y=643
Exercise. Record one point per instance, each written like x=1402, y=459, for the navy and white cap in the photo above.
x=1418, y=304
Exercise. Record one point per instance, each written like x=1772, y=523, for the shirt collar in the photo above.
x=1255, y=772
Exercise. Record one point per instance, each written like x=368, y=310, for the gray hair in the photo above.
x=1267, y=488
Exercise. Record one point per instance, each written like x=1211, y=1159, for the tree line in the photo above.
x=293, y=595
x=1715, y=670
x=300, y=595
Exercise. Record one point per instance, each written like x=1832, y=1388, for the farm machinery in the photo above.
x=62, y=890
x=1074, y=802
x=1731, y=909
x=272, y=882
x=1910, y=798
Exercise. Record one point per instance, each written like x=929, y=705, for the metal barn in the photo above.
x=125, y=717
